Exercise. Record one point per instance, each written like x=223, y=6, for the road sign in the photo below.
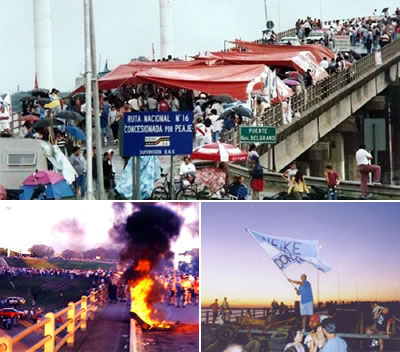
x=270, y=25
x=258, y=134
x=342, y=42
x=158, y=133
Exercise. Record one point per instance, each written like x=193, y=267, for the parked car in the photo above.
x=316, y=37
x=289, y=41
x=14, y=300
x=11, y=313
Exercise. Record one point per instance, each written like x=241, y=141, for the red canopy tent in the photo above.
x=216, y=80
x=300, y=61
x=318, y=50
x=126, y=74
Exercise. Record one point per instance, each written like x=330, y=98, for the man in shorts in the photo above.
x=383, y=324
x=306, y=303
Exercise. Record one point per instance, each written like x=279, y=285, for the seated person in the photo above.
x=187, y=171
x=237, y=188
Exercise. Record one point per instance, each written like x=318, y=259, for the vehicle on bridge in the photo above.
x=316, y=37
x=289, y=41
x=11, y=313
x=11, y=301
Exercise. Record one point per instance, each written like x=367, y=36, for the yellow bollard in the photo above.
x=84, y=313
x=49, y=330
x=6, y=344
x=92, y=305
x=71, y=324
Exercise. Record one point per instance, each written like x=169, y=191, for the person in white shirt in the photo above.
x=4, y=119
x=218, y=107
x=208, y=131
x=187, y=171
x=324, y=63
x=200, y=129
x=363, y=158
x=134, y=103
x=174, y=104
x=152, y=103
x=216, y=125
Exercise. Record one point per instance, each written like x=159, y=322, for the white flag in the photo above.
x=285, y=251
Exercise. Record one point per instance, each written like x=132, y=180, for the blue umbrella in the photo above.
x=76, y=132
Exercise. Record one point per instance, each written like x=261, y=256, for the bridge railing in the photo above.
x=72, y=318
x=313, y=95
x=255, y=313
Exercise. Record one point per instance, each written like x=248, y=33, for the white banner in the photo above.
x=285, y=251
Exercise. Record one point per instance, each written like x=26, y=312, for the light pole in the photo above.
x=266, y=13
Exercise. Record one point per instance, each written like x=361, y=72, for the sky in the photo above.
x=126, y=29
x=24, y=224
x=360, y=241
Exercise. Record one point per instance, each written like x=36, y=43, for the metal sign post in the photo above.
x=171, y=180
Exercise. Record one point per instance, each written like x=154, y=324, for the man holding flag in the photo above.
x=306, y=302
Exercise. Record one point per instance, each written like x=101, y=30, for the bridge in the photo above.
x=331, y=118
x=93, y=324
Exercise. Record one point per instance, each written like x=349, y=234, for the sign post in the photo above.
x=261, y=134
x=342, y=43
x=159, y=134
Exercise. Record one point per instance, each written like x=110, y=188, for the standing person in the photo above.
x=107, y=173
x=290, y=173
x=214, y=307
x=257, y=180
x=208, y=130
x=216, y=125
x=77, y=164
x=383, y=324
x=298, y=186
x=332, y=180
x=113, y=118
x=306, y=302
x=200, y=129
x=104, y=121
x=363, y=161
x=163, y=105
x=174, y=103
x=334, y=343
x=252, y=151
x=152, y=103
x=226, y=311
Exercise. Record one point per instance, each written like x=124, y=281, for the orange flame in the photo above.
x=140, y=291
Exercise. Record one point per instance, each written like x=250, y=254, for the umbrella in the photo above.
x=27, y=98
x=69, y=115
x=30, y=118
x=291, y=82
x=46, y=123
x=55, y=185
x=206, y=103
x=225, y=98
x=52, y=104
x=239, y=110
x=76, y=132
x=385, y=9
x=41, y=92
x=43, y=101
x=219, y=152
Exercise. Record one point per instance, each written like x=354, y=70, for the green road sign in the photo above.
x=258, y=134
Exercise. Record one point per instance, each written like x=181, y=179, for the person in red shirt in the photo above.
x=163, y=105
x=333, y=180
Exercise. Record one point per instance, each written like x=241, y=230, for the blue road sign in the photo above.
x=158, y=133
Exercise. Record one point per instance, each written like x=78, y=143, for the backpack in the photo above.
x=163, y=106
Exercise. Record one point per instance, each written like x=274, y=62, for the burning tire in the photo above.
x=226, y=334
x=253, y=346
x=280, y=338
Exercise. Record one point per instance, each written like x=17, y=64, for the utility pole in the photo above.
x=99, y=160
x=266, y=13
x=88, y=102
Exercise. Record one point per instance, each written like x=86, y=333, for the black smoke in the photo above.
x=146, y=233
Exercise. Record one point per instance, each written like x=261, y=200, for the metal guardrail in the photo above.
x=255, y=313
x=76, y=315
x=324, y=90
x=347, y=186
